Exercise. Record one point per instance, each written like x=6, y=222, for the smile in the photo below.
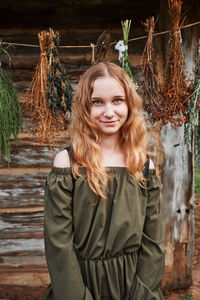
x=109, y=122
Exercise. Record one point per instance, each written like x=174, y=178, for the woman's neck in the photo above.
x=112, y=153
x=110, y=143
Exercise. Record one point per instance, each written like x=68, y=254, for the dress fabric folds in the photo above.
x=111, y=250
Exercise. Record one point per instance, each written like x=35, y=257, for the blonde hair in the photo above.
x=85, y=136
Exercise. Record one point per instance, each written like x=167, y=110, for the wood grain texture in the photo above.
x=25, y=190
x=27, y=152
x=20, y=226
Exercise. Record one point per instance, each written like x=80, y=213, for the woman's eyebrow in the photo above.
x=116, y=96
x=113, y=97
x=119, y=96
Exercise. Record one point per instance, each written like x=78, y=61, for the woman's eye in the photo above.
x=96, y=102
x=118, y=100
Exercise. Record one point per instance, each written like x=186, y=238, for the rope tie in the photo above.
x=92, y=46
x=113, y=43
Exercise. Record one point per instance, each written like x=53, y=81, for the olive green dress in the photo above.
x=112, y=250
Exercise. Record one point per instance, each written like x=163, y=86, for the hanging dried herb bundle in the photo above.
x=175, y=91
x=125, y=63
x=102, y=47
x=192, y=127
x=59, y=90
x=10, y=112
x=150, y=86
x=46, y=100
x=41, y=117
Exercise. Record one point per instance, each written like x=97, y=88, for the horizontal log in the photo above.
x=22, y=171
x=21, y=247
x=25, y=190
x=23, y=292
x=29, y=279
x=14, y=210
x=21, y=226
x=27, y=152
x=17, y=263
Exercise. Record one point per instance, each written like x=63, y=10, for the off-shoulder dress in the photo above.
x=109, y=251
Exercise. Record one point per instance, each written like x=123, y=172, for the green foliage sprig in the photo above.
x=10, y=114
x=125, y=62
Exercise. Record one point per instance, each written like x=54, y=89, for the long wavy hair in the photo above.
x=85, y=135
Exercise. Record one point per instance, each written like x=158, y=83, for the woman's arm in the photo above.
x=151, y=259
x=65, y=274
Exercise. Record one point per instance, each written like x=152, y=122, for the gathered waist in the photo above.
x=107, y=258
x=109, y=277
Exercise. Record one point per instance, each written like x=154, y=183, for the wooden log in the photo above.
x=25, y=190
x=27, y=152
x=26, y=262
x=24, y=286
x=20, y=226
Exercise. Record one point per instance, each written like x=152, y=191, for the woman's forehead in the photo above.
x=108, y=85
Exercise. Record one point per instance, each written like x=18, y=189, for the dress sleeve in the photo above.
x=151, y=259
x=65, y=274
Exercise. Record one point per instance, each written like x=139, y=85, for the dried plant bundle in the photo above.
x=167, y=102
x=176, y=91
x=102, y=47
x=150, y=86
x=47, y=111
x=125, y=62
x=59, y=90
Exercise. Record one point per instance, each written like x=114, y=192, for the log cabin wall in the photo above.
x=23, y=272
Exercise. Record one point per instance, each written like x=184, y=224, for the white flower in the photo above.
x=121, y=48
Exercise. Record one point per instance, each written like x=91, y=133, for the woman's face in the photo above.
x=108, y=109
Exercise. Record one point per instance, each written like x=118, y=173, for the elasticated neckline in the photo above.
x=111, y=170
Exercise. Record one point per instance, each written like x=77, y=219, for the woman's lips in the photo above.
x=109, y=122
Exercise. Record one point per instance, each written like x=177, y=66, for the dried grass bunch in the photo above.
x=176, y=90
x=168, y=101
x=150, y=86
x=103, y=47
x=46, y=95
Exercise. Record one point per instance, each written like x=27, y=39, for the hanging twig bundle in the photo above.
x=10, y=112
x=150, y=86
x=102, y=47
x=175, y=91
x=59, y=91
x=48, y=92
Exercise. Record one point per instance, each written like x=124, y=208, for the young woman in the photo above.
x=103, y=227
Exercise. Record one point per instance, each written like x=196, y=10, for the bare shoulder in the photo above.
x=151, y=164
x=62, y=159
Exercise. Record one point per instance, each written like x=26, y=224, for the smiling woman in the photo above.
x=108, y=109
x=103, y=225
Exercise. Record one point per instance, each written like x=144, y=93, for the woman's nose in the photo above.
x=108, y=112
